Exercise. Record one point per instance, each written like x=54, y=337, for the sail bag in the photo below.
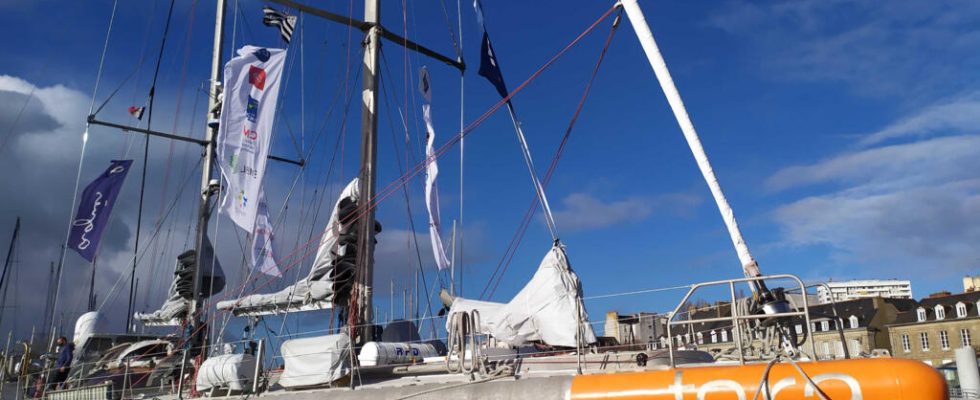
x=548, y=309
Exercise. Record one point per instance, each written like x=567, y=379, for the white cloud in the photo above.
x=583, y=211
x=900, y=207
x=910, y=48
x=893, y=167
x=960, y=115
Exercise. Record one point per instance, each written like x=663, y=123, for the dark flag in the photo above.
x=489, y=67
x=285, y=22
x=94, y=209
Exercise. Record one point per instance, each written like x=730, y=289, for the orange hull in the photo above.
x=865, y=379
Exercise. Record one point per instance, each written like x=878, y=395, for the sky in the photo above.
x=843, y=133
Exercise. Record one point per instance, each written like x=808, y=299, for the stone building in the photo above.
x=939, y=325
x=641, y=329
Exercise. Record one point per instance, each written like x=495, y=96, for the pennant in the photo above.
x=431, y=172
x=94, y=209
x=244, y=134
x=263, y=258
x=285, y=22
x=489, y=67
x=137, y=112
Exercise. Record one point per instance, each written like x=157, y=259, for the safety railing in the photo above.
x=735, y=318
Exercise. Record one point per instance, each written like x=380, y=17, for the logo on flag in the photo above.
x=94, y=209
x=256, y=77
x=245, y=130
x=251, y=109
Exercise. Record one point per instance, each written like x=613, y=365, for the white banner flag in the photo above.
x=249, y=107
x=431, y=172
x=263, y=258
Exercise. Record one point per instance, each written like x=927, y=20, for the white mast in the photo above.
x=749, y=265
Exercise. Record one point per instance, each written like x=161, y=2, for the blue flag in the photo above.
x=489, y=67
x=94, y=209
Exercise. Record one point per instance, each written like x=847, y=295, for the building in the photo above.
x=850, y=290
x=971, y=283
x=643, y=329
x=939, y=325
x=863, y=321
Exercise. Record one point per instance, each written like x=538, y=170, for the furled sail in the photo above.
x=181, y=294
x=332, y=275
x=431, y=172
x=548, y=309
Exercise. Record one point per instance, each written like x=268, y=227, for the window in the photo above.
x=853, y=321
x=960, y=310
x=700, y=338
x=921, y=313
x=724, y=335
x=940, y=312
x=924, y=340
x=964, y=337
x=799, y=329
x=825, y=325
x=714, y=337
x=944, y=340
x=855, y=347
x=826, y=349
x=906, y=343
x=839, y=349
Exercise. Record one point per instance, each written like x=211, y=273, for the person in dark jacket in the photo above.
x=63, y=364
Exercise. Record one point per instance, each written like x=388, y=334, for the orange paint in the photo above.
x=863, y=379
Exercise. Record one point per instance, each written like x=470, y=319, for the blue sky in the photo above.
x=843, y=133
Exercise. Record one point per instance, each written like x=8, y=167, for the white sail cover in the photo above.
x=547, y=309
x=251, y=91
x=232, y=371
x=315, y=361
x=431, y=172
x=316, y=291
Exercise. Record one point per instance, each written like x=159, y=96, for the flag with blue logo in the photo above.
x=245, y=132
x=489, y=67
x=93, y=210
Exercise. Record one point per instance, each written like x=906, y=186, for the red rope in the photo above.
x=397, y=183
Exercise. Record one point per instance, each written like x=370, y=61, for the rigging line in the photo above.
x=516, y=240
x=170, y=209
x=449, y=27
x=146, y=156
x=390, y=188
x=10, y=132
x=81, y=159
x=408, y=203
x=459, y=21
x=338, y=149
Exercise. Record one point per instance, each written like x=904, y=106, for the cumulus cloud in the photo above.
x=583, y=211
x=959, y=115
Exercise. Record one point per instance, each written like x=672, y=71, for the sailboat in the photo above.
x=538, y=345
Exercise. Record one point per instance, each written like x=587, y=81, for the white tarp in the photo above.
x=431, y=172
x=231, y=371
x=316, y=290
x=315, y=361
x=548, y=309
x=247, y=112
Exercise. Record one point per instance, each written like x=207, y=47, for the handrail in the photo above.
x=735, y=317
